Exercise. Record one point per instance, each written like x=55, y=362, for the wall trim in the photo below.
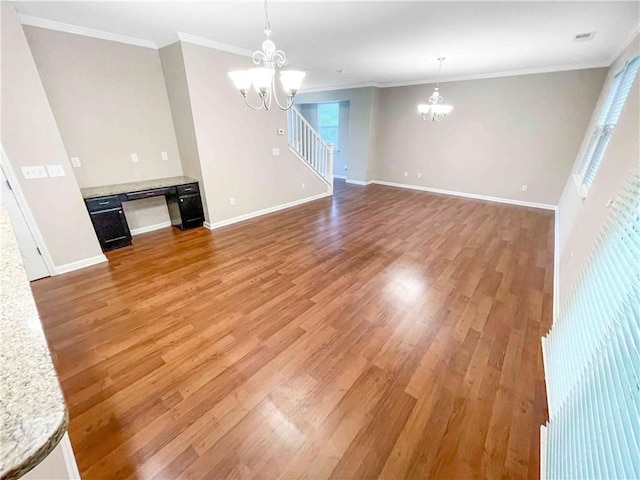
x=69, y=458
x=634, y=32
x=543, y=452
x=87, y=262
x=521, y=203
x=359, y=182
x=265, y=211
x=150, y=228
x=341, y=177
x=462, y=78
x=85, y=31
x=205, y=42
x=327, y=183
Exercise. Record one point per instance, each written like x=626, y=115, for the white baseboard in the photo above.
x=359, y=182
x=543, y=452
x=150, y=228
x=341, y=177
x=521, y=203
x=87, y=262
x=248, y=216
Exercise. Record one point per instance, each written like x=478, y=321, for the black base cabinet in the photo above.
x=185, y=208
x=110, y=224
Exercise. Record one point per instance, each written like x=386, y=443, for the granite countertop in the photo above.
x=119, y=188
x=32, y=408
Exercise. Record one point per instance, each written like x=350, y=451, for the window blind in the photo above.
x=608, y=118
x=592, y=357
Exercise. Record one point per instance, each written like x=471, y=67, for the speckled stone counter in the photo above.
x=32, y=408
x=117, y=189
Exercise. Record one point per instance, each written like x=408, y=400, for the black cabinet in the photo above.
x=110, y=224
x=185, y=208
x=111, y=228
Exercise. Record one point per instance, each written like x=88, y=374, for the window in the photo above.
x=609, y=115
x=328, y=122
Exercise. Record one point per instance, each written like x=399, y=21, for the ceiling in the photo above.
x=379, y=43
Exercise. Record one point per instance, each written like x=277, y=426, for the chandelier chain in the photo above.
x=267, y=23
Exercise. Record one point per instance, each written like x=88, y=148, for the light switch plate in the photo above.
x=36, y=171
x=165, y=156
x=275, y=151
x=56, y=170
x=75, y=161
x=134, y=157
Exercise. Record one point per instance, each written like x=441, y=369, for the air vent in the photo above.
x=584, y=37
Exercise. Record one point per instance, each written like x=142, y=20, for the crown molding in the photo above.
x=205, y=42
x=85, y=31
x=462, y=78
x=634, y=32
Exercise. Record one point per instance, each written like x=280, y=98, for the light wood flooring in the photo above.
x=381, y=333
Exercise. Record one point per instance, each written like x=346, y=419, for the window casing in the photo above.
x=607, y=120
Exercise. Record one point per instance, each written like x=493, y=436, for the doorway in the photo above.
x=331, y=121
x=34, y=263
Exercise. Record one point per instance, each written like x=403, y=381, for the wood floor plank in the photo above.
x=381, y=333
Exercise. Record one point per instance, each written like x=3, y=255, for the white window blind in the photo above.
x=592, y=357
x=608, y=118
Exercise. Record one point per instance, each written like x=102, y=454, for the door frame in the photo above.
x=26, y=212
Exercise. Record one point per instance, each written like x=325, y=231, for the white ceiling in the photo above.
x=379, y=43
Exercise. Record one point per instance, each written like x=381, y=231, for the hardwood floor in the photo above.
x=383, y=333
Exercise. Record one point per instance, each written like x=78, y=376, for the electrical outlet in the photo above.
x=134, y=157
x=406, y=174
x=525, y=188
x=75, y=161
x=37, y=171
x=56, y=170
x=164, y=155
x=303, y=186
x=232, y=201
x=275, y=152
x=419, y=174
x=345, y=168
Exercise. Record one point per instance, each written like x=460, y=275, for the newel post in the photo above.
x=330, y=168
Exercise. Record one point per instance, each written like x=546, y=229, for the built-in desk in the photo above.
x=105, y=206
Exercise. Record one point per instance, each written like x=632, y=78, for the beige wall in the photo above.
x=30, y=136
x=176, y=82
x=580, y=220
x=502, y=133
x=109, y=101
x=362, y=106
x=235, y=143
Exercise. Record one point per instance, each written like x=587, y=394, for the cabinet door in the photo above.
x=111, y=227
x=191, y=210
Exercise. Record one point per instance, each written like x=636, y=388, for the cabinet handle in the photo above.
x=182, y=199
x=104, y=203
x=187, y=189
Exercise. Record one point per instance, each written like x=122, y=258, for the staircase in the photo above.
x=305, y=142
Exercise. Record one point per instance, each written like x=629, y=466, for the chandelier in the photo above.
x=262, y=77
x=435, y=110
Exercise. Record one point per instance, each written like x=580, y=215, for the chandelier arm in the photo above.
x=246, y=100
x=289, y=101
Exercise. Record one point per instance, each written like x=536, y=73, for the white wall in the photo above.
x=109, y=100
x=235, y=143
x=30, y=136
x=580, y=220
x=503, y=133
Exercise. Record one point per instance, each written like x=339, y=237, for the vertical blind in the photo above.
x=608, y=118
x=592, y=357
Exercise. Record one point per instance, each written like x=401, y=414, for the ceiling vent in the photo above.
x=584, y=37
